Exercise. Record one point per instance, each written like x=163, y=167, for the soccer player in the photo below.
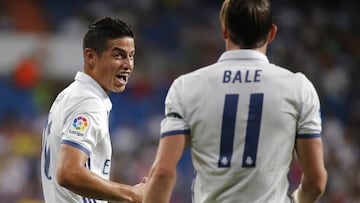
x=76, y=156
x=244, y=119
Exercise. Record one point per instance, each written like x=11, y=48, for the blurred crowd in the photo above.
x=319, y=38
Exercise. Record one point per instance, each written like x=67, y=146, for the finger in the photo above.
x=144, y=180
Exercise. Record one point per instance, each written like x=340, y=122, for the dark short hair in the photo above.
x=103, y=30
x=248, y=21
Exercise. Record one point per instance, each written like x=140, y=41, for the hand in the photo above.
x=139, y=190
x=295, y=196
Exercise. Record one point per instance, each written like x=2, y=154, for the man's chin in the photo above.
x=119, y=89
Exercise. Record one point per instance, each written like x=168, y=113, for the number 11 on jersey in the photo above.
x=252, y=130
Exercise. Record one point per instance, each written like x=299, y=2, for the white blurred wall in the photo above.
x=60, y=56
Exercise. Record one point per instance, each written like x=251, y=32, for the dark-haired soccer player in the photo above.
x=76, y=156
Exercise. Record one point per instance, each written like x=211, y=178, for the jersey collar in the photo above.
x=243, y=54
x=89, y=81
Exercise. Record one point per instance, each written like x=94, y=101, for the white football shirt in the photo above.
x=78, y=117
x=243, y=115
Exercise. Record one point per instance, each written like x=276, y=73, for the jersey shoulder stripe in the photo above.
x=76, y=145
x=306, y=136
x=175, y=132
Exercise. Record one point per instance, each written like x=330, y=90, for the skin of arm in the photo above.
x=314, y=177
x=162, y=175
x=73, y=175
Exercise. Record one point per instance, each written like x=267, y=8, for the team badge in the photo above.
x=79, y=126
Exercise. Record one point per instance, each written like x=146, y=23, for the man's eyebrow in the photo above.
x=119, y=49
x=122, y=50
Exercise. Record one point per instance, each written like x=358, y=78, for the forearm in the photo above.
x=159, y=188
x=307, y=193
x=162, y=175
x=88, y=184
x=301, y=196
x=314, y=178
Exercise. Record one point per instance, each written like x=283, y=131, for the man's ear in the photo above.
x=272, y=33
x=89, y=56
x=224, y=32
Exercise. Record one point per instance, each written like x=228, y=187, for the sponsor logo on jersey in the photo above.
x=79, y=126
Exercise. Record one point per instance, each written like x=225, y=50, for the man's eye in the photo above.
x=118, y=55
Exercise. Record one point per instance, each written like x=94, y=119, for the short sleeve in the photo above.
x=309, y=122
x=174, y=122
x=85, y=126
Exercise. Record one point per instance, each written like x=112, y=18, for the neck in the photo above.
x=229, y=45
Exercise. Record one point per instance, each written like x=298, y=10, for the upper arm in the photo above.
x=311, y=159
x=170, y=150
x=309, y=145
x=175, y=130
x=71, y=159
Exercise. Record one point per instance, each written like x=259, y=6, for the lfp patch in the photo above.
x=79, y=126
x=80, y=123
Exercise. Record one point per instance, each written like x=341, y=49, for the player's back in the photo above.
x=243, y=116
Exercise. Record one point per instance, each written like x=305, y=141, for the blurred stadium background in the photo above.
x=40, y=52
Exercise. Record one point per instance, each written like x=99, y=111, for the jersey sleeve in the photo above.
x=309, y=122
x=174, y=122
x=85, y=126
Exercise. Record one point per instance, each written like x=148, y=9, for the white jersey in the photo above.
x=78, y=117
x=243, y=115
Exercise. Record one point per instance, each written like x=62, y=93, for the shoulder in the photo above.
x=296, y=78
x=303, y=81
x=84, y=95
x=195, y=75
x=78, y=97
x=287, y=71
